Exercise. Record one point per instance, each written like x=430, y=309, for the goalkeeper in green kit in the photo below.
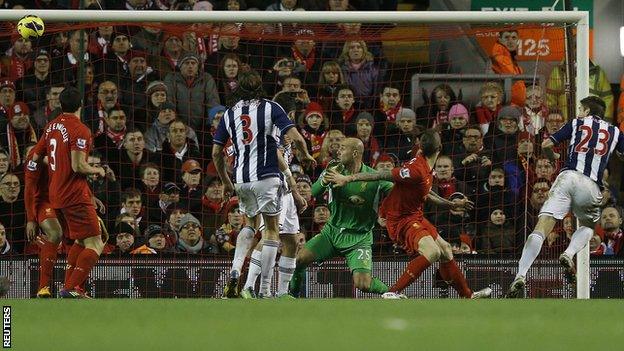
x=349, y=231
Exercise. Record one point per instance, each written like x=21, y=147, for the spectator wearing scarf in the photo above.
x=19, y=132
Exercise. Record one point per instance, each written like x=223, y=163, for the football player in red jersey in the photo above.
x=66, y=142
x=405, y=219
x=40, y=214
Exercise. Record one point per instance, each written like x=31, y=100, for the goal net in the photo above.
x=155, y=90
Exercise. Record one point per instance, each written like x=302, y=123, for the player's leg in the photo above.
x=289, y=227
x=83, y=225
x=255, y=268
x=48, y=246
x=360, y=263
x=270, y=246
x=421, y=241
x=450, y=272
x=317, y=249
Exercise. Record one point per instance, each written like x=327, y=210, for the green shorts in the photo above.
x=356, y=248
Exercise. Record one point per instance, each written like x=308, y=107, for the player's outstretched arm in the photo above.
x=333, y=176
x=80, y=165
x=457, y=204
x=219, y=161
x=306, y=159
x=547, y=147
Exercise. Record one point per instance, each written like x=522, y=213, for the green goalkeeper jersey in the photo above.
x=353, y=208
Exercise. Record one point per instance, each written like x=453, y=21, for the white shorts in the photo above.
x=288, y=219
x=260, y=196
x=574, y=191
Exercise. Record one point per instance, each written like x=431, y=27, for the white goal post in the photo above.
x=580, y=18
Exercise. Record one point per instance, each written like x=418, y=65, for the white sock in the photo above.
x=243, y=243
x=532, y=248
x=286, y=269
x=269, y=252
x=579, y=239
x=255, y=267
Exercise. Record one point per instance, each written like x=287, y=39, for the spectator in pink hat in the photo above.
x=19, y=132
x=459, y=118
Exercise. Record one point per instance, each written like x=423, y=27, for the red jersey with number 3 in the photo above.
x=412, y=183
x=61, y=136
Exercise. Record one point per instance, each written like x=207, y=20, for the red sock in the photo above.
x=87, y=259
x=451, y=273
x=47, y=259
x=412, y=272
x=72, y=258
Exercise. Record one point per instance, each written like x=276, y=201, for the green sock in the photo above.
x=377, y=286
x=295, y=282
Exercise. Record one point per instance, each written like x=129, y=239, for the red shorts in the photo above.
x=408, y=232
x=45, y=211
x=82, y=221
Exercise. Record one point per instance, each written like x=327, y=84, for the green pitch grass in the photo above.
x=320, y=325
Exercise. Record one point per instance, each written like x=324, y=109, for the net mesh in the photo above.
x=153, y=94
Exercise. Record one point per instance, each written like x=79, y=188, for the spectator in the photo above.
x=491, y=94
x=554, y=121
x=389, y=105
x=105, y=189
x=66, y=64
x=107, y=99
x=599, y=85
x=149, y=39
x=611, y=224
x=454, y=226
x=173, y=222
x=136, y=82
x=18, y=133
x=402, y=141
x=445, y=184
x=435, y=111
x=535, y=111
x=282, y=5
x=115, y=62
x=51, y=109
x=538, y=195
x=128, y=161
x=192, y=90
x=361, y=72
x=150, y=182
x=12, y=211
x=364, y=131
x=191, y=240
x=609, y=193
x=176, y=149
x=226, y=235
x=139, y=5
x=132, y=204
x=157, y=239
x=168, y=199
x=7, y=97
x=321, y=216
x=5, y=245
x=306, y=56
x=213, y=203
x=545, y=168
x=504, y=61
x=18, y=59
x=504, y=139
x=124, y=239
x=458, y=117
x=333, y=48
x=100, y=40
x=4, y=162
x=343, y=111
x=314, y=129
x=385, y=162
x=493, y=191
x=227, y=77
x=157, y=134
x=472, y=166
x=37, y=80
x=329, y=80
x=596, y=248
x=172, y=52
x=340, y=5
x=304, y=188
x=191, y=194
x=498, y=236
x=520, y=170
x=111, y=135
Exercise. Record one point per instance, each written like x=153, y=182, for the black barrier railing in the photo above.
x=151, y=277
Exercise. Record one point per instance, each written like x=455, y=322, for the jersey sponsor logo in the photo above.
x=81, y=143
x=357, y=200
x=32, y=166
x=404, y=173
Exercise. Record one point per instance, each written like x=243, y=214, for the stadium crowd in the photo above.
x=153, y=97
